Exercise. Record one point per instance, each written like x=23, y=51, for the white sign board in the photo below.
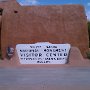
x=43, y=53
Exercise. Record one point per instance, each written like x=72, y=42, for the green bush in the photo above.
x=88, y=54
x=1, y=55
x=89, y=32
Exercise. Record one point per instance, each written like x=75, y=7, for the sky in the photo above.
x=85, y=3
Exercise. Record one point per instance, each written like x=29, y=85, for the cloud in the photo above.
x=20, y=3
x=34, y=2
x=88, y=15
x=69, y=3
x=88, y=3
x=28, y=2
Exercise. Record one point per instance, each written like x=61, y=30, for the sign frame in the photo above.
x=43, y=53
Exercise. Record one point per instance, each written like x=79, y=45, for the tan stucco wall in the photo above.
x=54, y=24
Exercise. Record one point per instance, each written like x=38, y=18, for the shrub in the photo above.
x=1, y=55
x=88, y=54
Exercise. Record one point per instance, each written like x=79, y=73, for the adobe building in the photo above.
x=56, y=24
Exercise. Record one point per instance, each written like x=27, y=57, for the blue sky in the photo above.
x=86, y=3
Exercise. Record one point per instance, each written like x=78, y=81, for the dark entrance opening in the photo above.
x=1, y=11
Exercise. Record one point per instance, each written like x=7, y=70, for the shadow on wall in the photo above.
x=1, y=11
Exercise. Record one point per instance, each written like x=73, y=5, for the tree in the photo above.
x=89, y=28
x=89, y=31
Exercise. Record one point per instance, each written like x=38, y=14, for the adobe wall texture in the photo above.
x=54, y=24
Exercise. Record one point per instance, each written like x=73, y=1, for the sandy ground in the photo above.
x=72, y=76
